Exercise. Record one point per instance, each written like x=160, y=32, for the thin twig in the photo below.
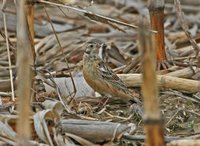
x=73, y=83
x=67, y=108
x=184, y=26
x=9, y=60
x=93, y=16
x=193, y=112
x=172, y=117
x=12, y=47
x=179, y=94
x=142, y=137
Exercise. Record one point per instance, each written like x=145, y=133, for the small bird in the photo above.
x=100, y=76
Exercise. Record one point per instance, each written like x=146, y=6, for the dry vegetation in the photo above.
x=67, y=111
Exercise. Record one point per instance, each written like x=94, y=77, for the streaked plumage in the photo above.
x=99, y=75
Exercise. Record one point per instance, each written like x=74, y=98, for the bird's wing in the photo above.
x=108, y=75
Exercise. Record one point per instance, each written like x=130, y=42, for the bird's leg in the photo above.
x=106, y=101
x=137, y=109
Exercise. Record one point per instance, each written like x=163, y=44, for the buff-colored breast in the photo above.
x=100, y=85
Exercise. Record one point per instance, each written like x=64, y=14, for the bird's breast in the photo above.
x=93, y=78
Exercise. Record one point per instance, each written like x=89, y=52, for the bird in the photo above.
x=100, y=76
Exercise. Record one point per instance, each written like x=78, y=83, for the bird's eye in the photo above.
x=91, y=45
x=89, y=48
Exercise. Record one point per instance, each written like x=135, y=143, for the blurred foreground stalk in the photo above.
x=25, y=62
x=156, y=10
x=152, y=117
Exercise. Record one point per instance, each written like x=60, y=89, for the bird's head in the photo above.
x=95, y=47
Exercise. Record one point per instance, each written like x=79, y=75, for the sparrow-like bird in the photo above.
x=99, y=75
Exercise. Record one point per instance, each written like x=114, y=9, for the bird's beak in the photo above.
x=102, y=51
x=87, y=51
x=104, y=46
x=98, y=45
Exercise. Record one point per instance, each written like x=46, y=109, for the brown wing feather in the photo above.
x=109, y=76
